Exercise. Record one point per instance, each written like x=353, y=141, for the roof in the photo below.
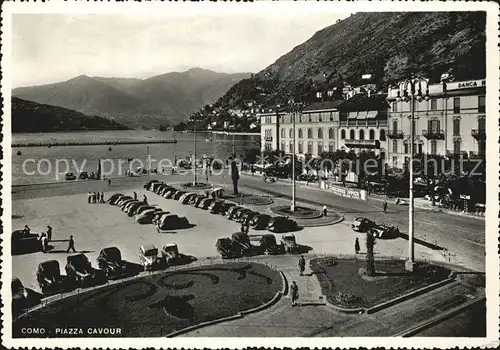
x=364, y=103
x=316, y=106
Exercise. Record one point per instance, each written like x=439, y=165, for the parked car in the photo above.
x=231, y=212
x=114, y=198
x=225, y=248
x=19, y=296
x=384, y=231
x=361, y=224
x=123, y=202
x=172, y=222
x=266, y=244
x=148, y=184
x=247, y=217
x=289, y=243
x=170, y=254
x=22, y=242
x=260, y=221
x=205, y=203
x=79, y=268
x=157, y=216
x=215, y=206
x=195, y=201
x=241, y=243
x=132, y=207
x=225, y=208
x=155, y=186
x=83, y=175
x=280, y=224
x=186, y=197
x=147, y=216
x=169, y=193
x=143, y=208
x=239, y=214
x=131, y=204
x=49, y=277
x=148, y=256
x=70, y=176
x=178, y=194
x=110, y=261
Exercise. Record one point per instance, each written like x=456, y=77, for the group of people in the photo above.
x=96, y=197
x=44, y=237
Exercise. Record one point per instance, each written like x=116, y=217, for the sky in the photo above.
x=49, y=48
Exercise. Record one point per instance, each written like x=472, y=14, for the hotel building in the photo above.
x=451, y=123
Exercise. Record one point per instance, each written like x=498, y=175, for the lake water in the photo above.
x=39, y=164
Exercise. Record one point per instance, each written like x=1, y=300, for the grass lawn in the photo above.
x=157, y=305
x=343, y=283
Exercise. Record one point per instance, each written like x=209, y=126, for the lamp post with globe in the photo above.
x=294, y=109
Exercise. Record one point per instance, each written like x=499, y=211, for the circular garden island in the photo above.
x=157, y=305
x=196, y=186
x=308, y=217
x=347, y=284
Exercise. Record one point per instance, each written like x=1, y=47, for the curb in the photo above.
x=284, y=289
x=203, y=324
x=319, y=224
x=440, y=318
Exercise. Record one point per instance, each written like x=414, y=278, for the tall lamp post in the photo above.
x=410, y=90
x=294, y=109
x=194, y=152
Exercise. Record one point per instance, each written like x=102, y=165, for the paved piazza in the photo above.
x=96, y=226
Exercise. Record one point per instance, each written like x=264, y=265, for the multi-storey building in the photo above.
x=452, y=122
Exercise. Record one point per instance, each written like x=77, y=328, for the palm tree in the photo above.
x=370, y=258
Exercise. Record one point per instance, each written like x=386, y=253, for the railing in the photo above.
x=478, y=134
x=433, y=134
x=395, y=134
x=363, y=143
x=88, y=143
x=368, y=122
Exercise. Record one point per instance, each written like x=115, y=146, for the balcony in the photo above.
x=478, y=134
x=353, y=143
x=433, y=134
x=268, y=138
x=395, y=134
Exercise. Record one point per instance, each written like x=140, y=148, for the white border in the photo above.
x=155, y=9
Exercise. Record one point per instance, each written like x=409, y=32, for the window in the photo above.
x=342, y=134
x=456, y=146
x=282, y=146
x=456, y=105
x=433, y=147
x=372, y=134
x=309, y=133
x=351, y=134
x=433, y=126
x=320, y=148
x=406, y=148
x=394, y=125
x=331, y=116
x=320, y=133
x=414, y=125
x=434, y=104
x=330, y=133
x=331, y=147
x=482, y=104
x=290, y=133
x=382, y=135
x=319, y=117
x=420, y=150
x=300, y=133
x=283, y=133
x=394, y=106
x=395, y=161
x=361, y=134
x=300, y=147
x=456, y=126
x=309, y=118
x=310, y=148
x=290, y=148
x=395, y=146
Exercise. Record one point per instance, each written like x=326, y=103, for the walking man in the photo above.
x=385, y=206
x=325, y=210
x=90, y=196
x=356, y=246
x=102, y=197
x=294, y=289
x=71, y=245
x=49, y=233
x=234, y=176
x=302, y=265
x=135, y=195
x=145, y=199
x=43, y=242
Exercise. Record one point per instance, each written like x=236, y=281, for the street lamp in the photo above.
x=294, y=109
x=411, y=91
x=194, y=152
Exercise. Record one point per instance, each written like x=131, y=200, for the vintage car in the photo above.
x=195, y=201
x=79, y=268
x=157, y=216
x=225, y=207
x=49, y=277
x=168, y=192
x=172, y=222
x=147, y=216
x=70, y=176
x=141, y=209
x=186, y=197
x=384, y=231
x=289, y=243
x=361, y=224
x=114, y=198
x=148, y=256
x=148, y=184
x=170, y=254
x=231, y=212
x=123, y=202
x=83, y=175
x=247, y=217
x=225, y=248
x=23, y=242
x=130, y=204
x=266, y=244
x=260, y=221
x=280, y=224
x=215, y=206
x=205, y=203
x=241, y=243
x=110, y=261
x=155, y=186
x=178, y=194
x=19, y=296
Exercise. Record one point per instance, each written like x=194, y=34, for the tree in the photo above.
x=370, y=258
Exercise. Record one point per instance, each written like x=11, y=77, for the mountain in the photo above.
x=28, y=116
x=162, y=99
x=388, y=45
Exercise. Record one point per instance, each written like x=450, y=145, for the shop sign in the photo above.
x=465, y=84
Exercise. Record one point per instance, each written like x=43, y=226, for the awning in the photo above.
x=372, y=114
x=362, y=115
x=352, y=115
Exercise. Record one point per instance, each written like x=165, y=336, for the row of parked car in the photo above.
x=245, y=216
x=362, y=224
x=144, y=213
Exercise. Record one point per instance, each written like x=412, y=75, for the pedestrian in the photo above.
x=302, y=265
x=325, y=210
x=49, y=233
x=357, y=248
x=247, y=226
x=71, y=245
x=252, y=169
x=94, y=197
x=294, y=289
x=109, y=182
x=385, y=206
x=27, y=230
x=90, y=196
x=145, y=199
x=234, y=176
x=135, y=195
x=43, y=241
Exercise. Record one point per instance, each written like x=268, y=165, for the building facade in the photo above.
x=451, y=123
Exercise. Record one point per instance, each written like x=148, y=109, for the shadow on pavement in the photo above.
x=421, y=242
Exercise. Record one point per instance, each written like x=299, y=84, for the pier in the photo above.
x=88, y=143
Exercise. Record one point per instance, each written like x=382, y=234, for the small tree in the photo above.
x=370, y=258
